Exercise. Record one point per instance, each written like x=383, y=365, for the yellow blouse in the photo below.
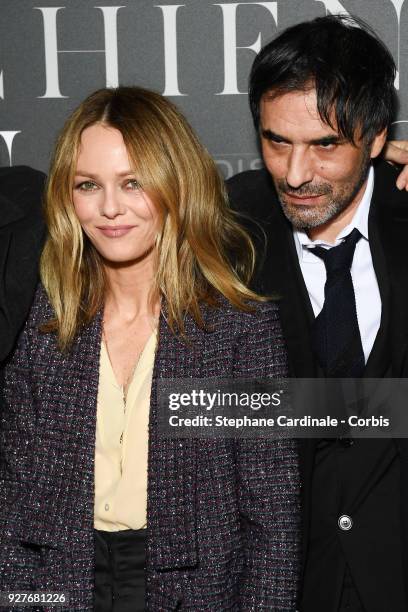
x=122, y=444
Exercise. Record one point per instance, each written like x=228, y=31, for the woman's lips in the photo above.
x=115, y=231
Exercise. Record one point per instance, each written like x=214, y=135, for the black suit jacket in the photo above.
x=21, y=239
x=278, y=273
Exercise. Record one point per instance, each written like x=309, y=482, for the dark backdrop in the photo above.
x=52, y=54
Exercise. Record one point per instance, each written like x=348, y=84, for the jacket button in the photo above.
x=345, y=523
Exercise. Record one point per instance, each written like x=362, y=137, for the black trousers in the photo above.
x=120, y=571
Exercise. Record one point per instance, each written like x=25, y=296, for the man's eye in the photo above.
x=86, y=186
x=278, y=144
x=327, y=146
x=274, y=139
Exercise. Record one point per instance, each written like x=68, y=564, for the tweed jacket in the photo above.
x=223, y=515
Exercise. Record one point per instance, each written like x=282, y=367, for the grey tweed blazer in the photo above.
x=223, y=515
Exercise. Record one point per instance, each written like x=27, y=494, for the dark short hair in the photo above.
x=350, y=67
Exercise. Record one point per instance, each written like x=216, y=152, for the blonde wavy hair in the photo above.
x=198, y=237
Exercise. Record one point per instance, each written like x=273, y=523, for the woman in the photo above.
x=136, y=287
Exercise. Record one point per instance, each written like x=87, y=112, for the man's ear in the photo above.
x=378, y=143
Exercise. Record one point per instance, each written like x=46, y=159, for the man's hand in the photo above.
x=396, y=151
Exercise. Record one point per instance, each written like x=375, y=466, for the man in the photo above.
x=321, y=96
x=21, y=238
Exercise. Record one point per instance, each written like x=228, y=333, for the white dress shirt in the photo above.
x=368, y=300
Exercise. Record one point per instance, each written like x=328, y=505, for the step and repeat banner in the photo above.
x=53, y=53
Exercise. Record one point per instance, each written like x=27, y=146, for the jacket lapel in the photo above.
x=379, y=358
x=388, y=229
x=171, y=508
x=392, y=207
x=282, y=276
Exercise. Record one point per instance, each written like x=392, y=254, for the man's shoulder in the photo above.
x=21, y=187
x=255, y=184
x=386, y=192
x=250, y=179
x=20, y=178
x=243, y=320
x=252, y=192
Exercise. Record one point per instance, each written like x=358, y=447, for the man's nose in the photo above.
x=112, y=204
x=300, y=168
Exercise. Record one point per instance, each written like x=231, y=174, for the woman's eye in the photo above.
x=86, y=186
x=132, y=184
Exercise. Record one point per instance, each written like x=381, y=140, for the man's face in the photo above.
x=317, y=173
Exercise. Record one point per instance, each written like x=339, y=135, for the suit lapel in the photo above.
x=283, y=276
x=379, y=357
x=388, y=229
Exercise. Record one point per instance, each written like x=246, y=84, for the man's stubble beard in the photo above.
x=304, y=217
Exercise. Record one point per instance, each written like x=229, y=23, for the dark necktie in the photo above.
x=335, y=335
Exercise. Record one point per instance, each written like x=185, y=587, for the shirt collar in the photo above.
x=359, y=221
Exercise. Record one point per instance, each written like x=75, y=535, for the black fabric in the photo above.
x=336, y=335
x=22, y=233
x=120, y=570
x=350, y=601
x=372, y=473
x=337, y=344
x=360, y=480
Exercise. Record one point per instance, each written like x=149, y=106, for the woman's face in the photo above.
x=119, y=219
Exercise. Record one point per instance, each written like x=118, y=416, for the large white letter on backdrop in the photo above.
x=229, y=12
x=8, y=138
x=49, y=15
x=398, y=6
x=171, y=87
